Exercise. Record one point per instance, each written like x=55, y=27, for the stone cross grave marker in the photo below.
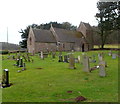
x=86, y=65
x=102, y=72
x=71, y=61
x=114, y=56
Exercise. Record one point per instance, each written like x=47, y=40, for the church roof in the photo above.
x=67, y=35
x=43, y=36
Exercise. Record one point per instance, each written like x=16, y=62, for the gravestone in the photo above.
x=60, y=58
x=71, y=61
x=114, y=56
x=17, y=62
x=41, y=55
x=102, y=72
x=79, y=59
x=66, y=58
x=86, y=65
x=21, y=63
x=100, y=57
x=5, y=78
x=24, y=67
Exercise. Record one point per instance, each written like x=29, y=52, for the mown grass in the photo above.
x=109, y=46
x=51, y=83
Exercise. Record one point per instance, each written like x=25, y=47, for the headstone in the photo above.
x=79, y=59
x=24, y=67
x=71, y=61
x=60, y=58
x=102, y=72
x=5, y=79
x=100, y=57
x=17, y=62
x=41, y=55
x=21, y=63
x=66, y=58
x=114, y=56
x=86, y=65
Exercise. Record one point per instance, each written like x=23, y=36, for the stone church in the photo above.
x=57, y=39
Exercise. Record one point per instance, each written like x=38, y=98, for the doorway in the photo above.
x=83, y=48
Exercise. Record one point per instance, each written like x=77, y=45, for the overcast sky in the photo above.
x=17, y=14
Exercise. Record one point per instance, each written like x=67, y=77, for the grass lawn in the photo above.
x=49, y=80
x=109, y=46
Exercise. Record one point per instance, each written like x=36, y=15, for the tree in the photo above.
x=107, y=19
x=25, y=32
x=24, y=35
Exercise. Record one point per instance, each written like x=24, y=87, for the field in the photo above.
x=109, y=46
x=50, y=81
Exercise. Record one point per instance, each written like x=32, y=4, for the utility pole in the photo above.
x=7, y=38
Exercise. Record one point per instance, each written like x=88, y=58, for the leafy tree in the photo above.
x=24, y=35
x=25, y=32
x=107, y=19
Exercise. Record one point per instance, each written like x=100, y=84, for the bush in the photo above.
x=4, y=52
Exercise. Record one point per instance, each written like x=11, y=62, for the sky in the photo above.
x=18, y=14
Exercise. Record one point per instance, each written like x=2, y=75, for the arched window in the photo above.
x=30, y=41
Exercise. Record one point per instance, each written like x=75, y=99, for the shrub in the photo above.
x=3, y=52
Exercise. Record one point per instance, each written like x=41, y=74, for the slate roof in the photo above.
x=68, y=35
x=87, y=25
x=43, y=36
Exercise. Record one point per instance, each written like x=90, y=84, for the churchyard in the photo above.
x=88, y=77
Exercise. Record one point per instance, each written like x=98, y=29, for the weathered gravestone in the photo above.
x=79, y=59
x=21, y=62
x=17, y=62
x=24, y=67
x=5, y=78
x=66, y=58
x=114, y=56
x=86, y=65
x=41, y=55
x=60, y=58
x=71, y=61
x=100, y=57
x=102, y=72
